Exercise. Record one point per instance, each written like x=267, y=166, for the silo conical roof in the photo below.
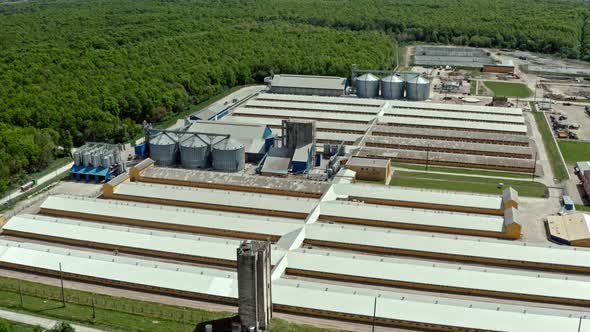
x=367, y=77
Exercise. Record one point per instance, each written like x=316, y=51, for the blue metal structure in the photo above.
x=88, y=173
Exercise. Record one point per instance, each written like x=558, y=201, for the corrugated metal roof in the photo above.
x=463, y=159
x=309, y=81
x=135, y=237
x=174, y=216
x=445, y=275
x=455, y=115
x=450, y=198
x=319, y=115
x=501, y=127
x=218, y=197
x=456, y=146
x=450, y=244
x=327, y=297
x=458, y=134
x=311, y=107
x=241, y=180
x=455, y=107
x=412, y=216
x=321, y=99
x=235, y=130
x=367, y=77
x=276, y=123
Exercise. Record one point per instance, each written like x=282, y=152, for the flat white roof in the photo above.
x=455, y=107
x=134, y=237
x=217, y=197
x=450, y=244
x=274, y=122
x=489, y=126
x=321, y=99
x=455, y=115
x=295, y=293
x=450, y=198
x=173, y=215
x=286, y=114
x=309, y=82
x=446, y=275
x=412, y=216
x=311, y=106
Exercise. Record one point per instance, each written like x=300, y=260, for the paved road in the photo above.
x=48, y=177
x=43, y=322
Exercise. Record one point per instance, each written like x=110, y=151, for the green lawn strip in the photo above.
x=20, y=327
x=369, y=181
x=582, y=207
x=574, y=151
x=508, y=89
x=464, y=171
x=465, y=183
x=559, y=170
x=112, y=313
x=169, y=121
x=54, y=165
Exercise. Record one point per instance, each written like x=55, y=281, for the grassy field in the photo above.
x=465, y=183
x=19, y=327
x=559, y=170
x=506, y=89
x=480, y=89
x=582, y=207
x=464, y=171
x=574, y=151
x=112, y=313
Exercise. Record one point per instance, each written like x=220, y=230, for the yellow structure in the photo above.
x=572, y=229
x=370, y=169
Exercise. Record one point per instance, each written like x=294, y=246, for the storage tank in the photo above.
x=86, y=158
x=392, y=87
x=194, y=151
x=229, y=155
x=77, y=158
x=164, y=149
x=367, y=86
x=418, y=89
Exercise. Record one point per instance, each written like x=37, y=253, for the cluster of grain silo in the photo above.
x=197, y=151
x=164, y=149
x=194, y=151
x=97, y=155
x=393, y=87
x=228, y=155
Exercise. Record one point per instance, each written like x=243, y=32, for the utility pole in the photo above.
x=534, y=167
x=63, y=294
x=374, y=313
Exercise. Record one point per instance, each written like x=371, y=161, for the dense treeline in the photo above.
x=72, y=71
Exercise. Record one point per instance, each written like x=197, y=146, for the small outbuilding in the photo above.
x=506, y=66
x=571, y=229
x=370, y=169
x=308, y=85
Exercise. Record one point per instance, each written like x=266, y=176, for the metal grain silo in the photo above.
x=367, y=86
x=77, y=158
x=164, y=149
x=417, y=89
x=229, y=155
x=392, y=87
x=194, y=151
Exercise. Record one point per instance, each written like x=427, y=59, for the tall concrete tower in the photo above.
x=254, y=285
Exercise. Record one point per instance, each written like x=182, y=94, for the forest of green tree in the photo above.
x=75, y=71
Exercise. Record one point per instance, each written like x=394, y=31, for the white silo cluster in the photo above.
x=97, y=155
x=392, y=87
x=198, y=151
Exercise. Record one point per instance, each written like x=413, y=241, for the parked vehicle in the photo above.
x=28, y=185
x=574, y=126
x=573, y=135
x=562, y=133
x=563, y=117
x=567, y=104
